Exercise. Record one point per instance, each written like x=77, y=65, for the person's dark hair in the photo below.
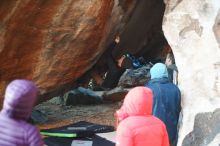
x=127, y=63
x=171, y=57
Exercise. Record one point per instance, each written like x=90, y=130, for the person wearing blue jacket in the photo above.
x=166, y=100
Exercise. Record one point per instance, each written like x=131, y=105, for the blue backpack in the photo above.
x=136, y=62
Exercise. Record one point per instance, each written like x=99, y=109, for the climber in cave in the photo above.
x=116, y=67
x=171, y=68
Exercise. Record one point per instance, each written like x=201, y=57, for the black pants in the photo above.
x=114, y=73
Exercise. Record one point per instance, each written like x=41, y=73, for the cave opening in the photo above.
x=142, y=36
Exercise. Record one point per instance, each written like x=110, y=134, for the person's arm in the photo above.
x=124, y=136
x=112, y=46
x=34, y=137
x=179, y=101
x=112, y=64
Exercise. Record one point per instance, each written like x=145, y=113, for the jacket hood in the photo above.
x=159, y=70
x=20, y=97
x=158, y=80
x=137, y=102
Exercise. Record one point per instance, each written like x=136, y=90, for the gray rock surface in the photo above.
x=135, y=77
x=205, y=129
x=192, y=30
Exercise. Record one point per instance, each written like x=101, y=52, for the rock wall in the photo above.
x=61, y=43
x=192, y=28
x=54, y=42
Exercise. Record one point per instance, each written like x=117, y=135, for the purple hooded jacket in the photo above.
x=20, y=97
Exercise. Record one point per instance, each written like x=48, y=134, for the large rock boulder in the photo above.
x=54, y=42
x=192, y=29
x=135, y=77
x=205, y=129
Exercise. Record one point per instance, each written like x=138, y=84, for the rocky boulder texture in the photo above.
x=54, y=42
x=192, y=29
x=135, y=77
x=205, y=130
x=58, y=43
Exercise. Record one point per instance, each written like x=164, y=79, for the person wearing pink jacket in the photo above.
x=20, y=97
x=137, y=126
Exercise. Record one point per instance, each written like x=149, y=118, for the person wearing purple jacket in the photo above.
x=20, y=97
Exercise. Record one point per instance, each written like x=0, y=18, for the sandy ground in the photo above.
x=59, y=115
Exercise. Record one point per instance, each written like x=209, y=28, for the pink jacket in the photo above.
x=138, y=127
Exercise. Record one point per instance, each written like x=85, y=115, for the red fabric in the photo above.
x=137, y=126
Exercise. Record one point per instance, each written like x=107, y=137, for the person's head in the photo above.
x=159, y=70
x=170, y=59
x=138, y=101
x=20, y=97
